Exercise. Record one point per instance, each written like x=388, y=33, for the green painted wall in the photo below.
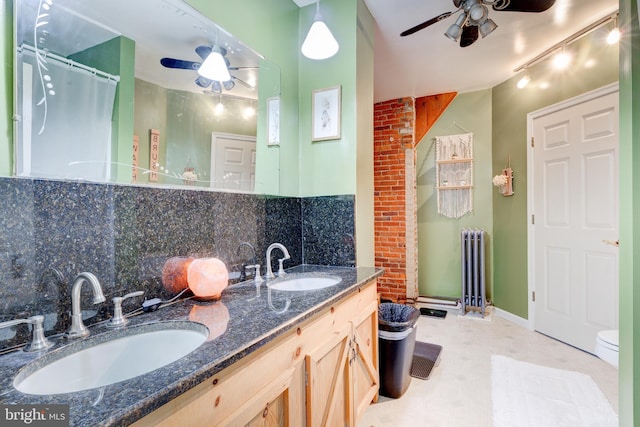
x=186, y=121
x=629, y=370
x=438, y=236
x=364, y=156
x=270, y=27
x=510, y=108
x=328, y=167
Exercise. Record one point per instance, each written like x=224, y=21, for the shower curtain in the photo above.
x=65, y=129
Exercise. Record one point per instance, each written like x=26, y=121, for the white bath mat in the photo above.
x=528, y=395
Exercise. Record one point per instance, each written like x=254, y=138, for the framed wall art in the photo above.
x=326, y=114
x=273, y=121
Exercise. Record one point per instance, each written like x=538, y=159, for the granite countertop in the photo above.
x=242, y=321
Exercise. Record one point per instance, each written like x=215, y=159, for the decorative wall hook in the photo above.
x=504, y=181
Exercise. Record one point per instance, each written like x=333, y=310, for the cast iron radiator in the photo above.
x=473, y=277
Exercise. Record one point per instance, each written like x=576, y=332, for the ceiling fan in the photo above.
x=474, y=19
x=203, y=52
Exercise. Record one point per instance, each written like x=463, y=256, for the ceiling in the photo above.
x=428, y=63
x=421, y=64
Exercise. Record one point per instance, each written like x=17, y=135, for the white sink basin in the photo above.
x=304, y=283
x=121, y=357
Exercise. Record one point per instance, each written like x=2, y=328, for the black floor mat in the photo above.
x=425, y=357
x=432, y=312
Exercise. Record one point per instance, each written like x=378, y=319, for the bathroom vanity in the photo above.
x=272, y=357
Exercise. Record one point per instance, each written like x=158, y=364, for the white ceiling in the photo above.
x=428, y=63
x=425, y=63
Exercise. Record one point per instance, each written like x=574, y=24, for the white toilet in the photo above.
x=607, y=347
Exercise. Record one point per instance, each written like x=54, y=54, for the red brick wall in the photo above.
x=393, y=133
x=399, y=125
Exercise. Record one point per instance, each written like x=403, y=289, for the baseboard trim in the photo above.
x=513, y=318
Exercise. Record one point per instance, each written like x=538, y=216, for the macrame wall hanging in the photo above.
x=454, y=174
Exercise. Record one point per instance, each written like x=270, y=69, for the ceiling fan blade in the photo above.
x=179, y=63
x=243, y=83
x=469, y=35
x=425, y=24
x=525, y=6
x=203, y=51
x=203, y=82
x=243, y=68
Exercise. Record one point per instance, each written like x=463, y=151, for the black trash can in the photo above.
x=396, y=342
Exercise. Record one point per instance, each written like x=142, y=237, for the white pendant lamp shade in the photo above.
x=214, y=68
x=319, y=43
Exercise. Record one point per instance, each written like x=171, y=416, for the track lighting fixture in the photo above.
x=524, y=81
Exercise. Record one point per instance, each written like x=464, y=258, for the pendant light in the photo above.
x=319, y=43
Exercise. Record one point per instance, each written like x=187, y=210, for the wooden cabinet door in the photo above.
x=270, y=407
x=364, y=359
x=328, y=385
x=342, y=374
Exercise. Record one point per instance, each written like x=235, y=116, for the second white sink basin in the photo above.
x=140, y=350
x=304, y=283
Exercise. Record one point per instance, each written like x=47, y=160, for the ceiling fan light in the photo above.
x=487, y=27
x=203, y=82
x=216, y=87
x=214, y=68
x=319, y=43
x=478, y=13
x=228, y=85
x=455, y=30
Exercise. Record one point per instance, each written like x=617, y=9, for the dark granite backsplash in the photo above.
x=52, y=230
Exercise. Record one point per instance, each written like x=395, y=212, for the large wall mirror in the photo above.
x=113, y=91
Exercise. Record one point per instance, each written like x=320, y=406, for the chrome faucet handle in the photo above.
x=38, y=340
x=118, y=318
x=257, y=277
x=281, y=272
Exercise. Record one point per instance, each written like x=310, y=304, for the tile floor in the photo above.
x=458, y=392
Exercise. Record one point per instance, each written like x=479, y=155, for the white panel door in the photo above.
x=575, y=206
x=233, y=162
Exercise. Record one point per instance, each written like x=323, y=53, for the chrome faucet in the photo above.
x=285, y=252
x=77, y=329
x=118, y=318
x=38, y=340
x=243, y=269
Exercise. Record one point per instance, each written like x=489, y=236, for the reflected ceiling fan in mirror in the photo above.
x=213, y=71
x=474, y=20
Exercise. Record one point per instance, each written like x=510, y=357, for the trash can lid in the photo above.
x=396, y=317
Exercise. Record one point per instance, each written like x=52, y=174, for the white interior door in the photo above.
x=233, y=161
x=575, y=217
